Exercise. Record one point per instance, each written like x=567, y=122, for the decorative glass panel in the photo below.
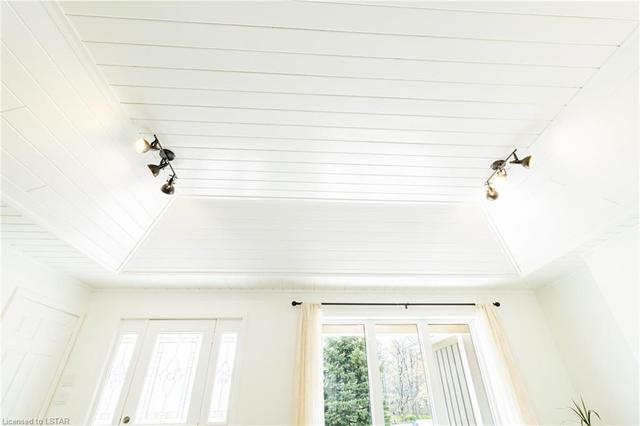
x=223, y=375
x=346, y=376
x=108, y=400
x=404, y=385
x=166, y=392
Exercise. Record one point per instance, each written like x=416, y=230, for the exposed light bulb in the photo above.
x=492, y=194
x=142, y=146
x=499, y=179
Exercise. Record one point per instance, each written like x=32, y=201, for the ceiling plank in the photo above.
x=268, y=39
x=284, y=102
x=338, y=86
x=336, y=66
x=302, y=118
x=379, y=20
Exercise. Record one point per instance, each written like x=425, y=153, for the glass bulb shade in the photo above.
x=142, y=146
x=492, y=194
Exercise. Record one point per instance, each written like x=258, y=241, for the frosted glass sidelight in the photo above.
x=166, y=392
x=108, y=400
x=222, y=382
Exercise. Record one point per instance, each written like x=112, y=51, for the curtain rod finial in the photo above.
x=496, y=304
x=294, y=303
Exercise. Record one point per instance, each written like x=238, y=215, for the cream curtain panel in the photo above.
x=508, y=397
x=309, y=393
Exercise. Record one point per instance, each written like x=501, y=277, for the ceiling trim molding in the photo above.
x=144, y=236
x=501, y=241
x=73, y=39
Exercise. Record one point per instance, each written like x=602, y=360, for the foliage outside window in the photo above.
x=346, y=382
x=387, y=374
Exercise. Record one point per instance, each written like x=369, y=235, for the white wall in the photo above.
x=266, y=363
x=41, y=311
x=592, y=314
x=614, y=265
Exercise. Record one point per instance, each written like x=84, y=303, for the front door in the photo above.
x=176, y=372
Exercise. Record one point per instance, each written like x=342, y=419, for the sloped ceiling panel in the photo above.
x=585, y=180
x=260, y=236
x=21, y=233
x=66, y=147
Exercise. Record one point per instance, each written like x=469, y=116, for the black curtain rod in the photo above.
x=406, y=305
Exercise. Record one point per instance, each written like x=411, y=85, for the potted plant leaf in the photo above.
x=584, y=413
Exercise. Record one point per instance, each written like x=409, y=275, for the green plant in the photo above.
x=583, y=413
x=346, y=382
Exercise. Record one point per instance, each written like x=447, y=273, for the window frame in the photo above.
x=422, y=318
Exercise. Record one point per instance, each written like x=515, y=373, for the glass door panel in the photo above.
x=402, y=372
x=169, y=380
x=168, y=383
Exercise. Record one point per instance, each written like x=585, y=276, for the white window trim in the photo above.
x=422, y=318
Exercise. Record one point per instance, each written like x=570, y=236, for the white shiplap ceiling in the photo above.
x=307, y=237
x=20, y=233
x=348, y=101
x=320, y=138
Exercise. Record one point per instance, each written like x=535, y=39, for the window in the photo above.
x=116, y=375
x=404, y=383
x=222, y=382
x=346, y=382
x=402, y=374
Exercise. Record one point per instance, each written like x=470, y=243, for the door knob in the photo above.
x=125, y=419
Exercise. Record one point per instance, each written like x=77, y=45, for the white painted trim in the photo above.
x=375, y=380
x=501, y=241
x=433, y=375
x=144, y=236
x=62, y=366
